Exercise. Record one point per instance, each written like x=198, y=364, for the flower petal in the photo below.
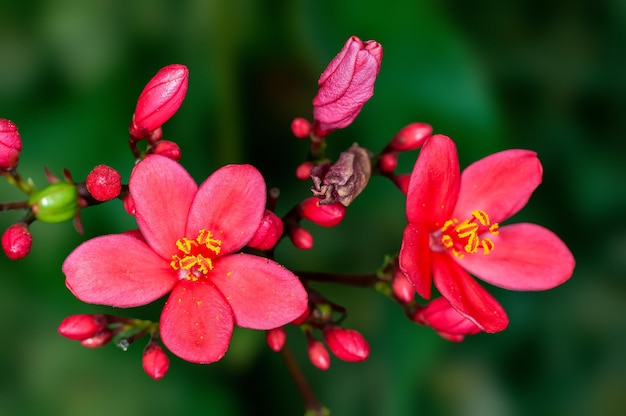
x=162, y=191
x=467, y=296
x=117, y=270
x=525, y=257
x=434, y=183
x=230, y=203
x=499, y=184
x=196, y=322
x=262, y=293
x=414, y=259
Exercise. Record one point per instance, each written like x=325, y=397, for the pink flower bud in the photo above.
x=10, y=145
x=411, y=137
x=388, y=162
x=402, y=288
x=168, y=149
x=154, y=361
x=300, y=319
x=301, y=127
x=276, y=338
x=301, y=238
x=17, y=241
x=159, y=100
x=446, y=320
x=325, y=215
x=318, y=354
x=346, y=85
x=104, y=183
x=269, y=232
x=101, y=339
x=129, y=205
x=303, y=171
x=402, y=182
x=82, y=326
x=346, y=344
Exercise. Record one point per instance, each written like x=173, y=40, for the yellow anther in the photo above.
x=448, y=224
x=487, y=245
x=472, y=243
x=466, y=229
x=494, y=228
x=447, y=241
x=482, y=217
x=185, y=245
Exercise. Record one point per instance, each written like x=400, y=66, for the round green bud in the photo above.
x=57, y=202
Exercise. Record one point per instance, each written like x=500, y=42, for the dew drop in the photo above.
x=123, y=344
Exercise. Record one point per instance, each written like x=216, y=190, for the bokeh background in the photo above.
x=547, y=76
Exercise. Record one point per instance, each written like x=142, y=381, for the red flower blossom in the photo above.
x=192, y=237
x=454, y=229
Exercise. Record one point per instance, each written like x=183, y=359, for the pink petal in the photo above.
x=262, y=293
x=162, y=191
x=230, y=203
x=415, y=260
x=196, y=322
x=499, y=184
x=525, y=257
x=467, y=296
x=117, y=270
x=434, y=183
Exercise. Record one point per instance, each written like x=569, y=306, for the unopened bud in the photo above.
x=318, y=354
x=411, y=137
x=345, y=179
x=402, y=288
x=300, y=319
x=104, y=183
x=388, y=162
x=325, y=215
x=168, y=149
x=17, y=241
x=101, y=339
x=445, y=320
x=269, y=232
x=276, y=338
x=10, y=145
x=402, y=182
x=346, y=344
x=129, y=205
x=159, y=100
x=301, y=238
x=154, y=361
x=303, y=171
x=82, y=326
x=57, y=202
x=301, y=127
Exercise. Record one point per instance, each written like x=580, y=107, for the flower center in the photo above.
x=194, y=257
x=467, y=236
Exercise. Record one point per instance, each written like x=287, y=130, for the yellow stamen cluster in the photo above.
x=468, y=233
x=195, y=255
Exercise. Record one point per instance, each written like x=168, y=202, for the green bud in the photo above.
x=57, y=202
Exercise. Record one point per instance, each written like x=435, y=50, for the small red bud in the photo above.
x=82, y=326
x=301, y=127
x=346, y=344
x=327, y=215
x=168, y=149
x=300, y=319
x=303, y=171
x=301, y=238
x=276, y=338
x=101, y=339
x=269, y=232
x=318, y=354
x=154, y=361
x=388, y=162
x=17, y=241
x=402, y=182
x=104, y=183
x=411, y=137
x=129, y=205
x=402, y=288
x=159, y=100
x=10, y=145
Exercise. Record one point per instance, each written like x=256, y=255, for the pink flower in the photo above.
x=192, y=238
x=454, y=229
x=346, y=85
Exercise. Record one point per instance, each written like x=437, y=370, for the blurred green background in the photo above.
x=547, y=76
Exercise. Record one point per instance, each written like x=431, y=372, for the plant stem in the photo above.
x=311, y=403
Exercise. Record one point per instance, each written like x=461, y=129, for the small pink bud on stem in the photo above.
x=82, y=326
x=325, y=215
x=17, y=241
x=154, y=361
x=346, y=344
x=318, y=354
x=276, y=338
x=269, y=232
x=411, y=137
x=301, y=127
x=10, y=145
x=301, y=238
x=104, y=183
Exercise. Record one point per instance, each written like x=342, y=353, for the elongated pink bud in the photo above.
x=401, y=287
x=443, y=318
x=276, y=338
x=17, y=241
x=159, y=100
x=346, y=85
x=325, y=215
x=318, y=354
x=104, y=183
x=154, y=361
x=10, y=145
x=301, y=238
x=301, y=127
x=346, y=344
x=168, y=149
x=411, y=137
x=268, y=233
x=82, y=326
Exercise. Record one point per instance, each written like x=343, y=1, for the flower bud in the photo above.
x=402, y=182
x=325, y=215
x=300, y=319
x=82, y=326
x=301, y=238
x=57, y=202
x=154, y=361
x=411, y=137
x=269, y=232
x=345, y=179
x=101, y=339
x=318, y=354
x=159, y=100
x=303, y=171
x=388, y=162
x=17, y=241
x=129, y=205
x=10, y=145
x=104, y=183
x=276, y=338
x=445, y=320
x=168, y=149
x=301, y=127
x=346, y=85
x=346, y=344
x=402, y=288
